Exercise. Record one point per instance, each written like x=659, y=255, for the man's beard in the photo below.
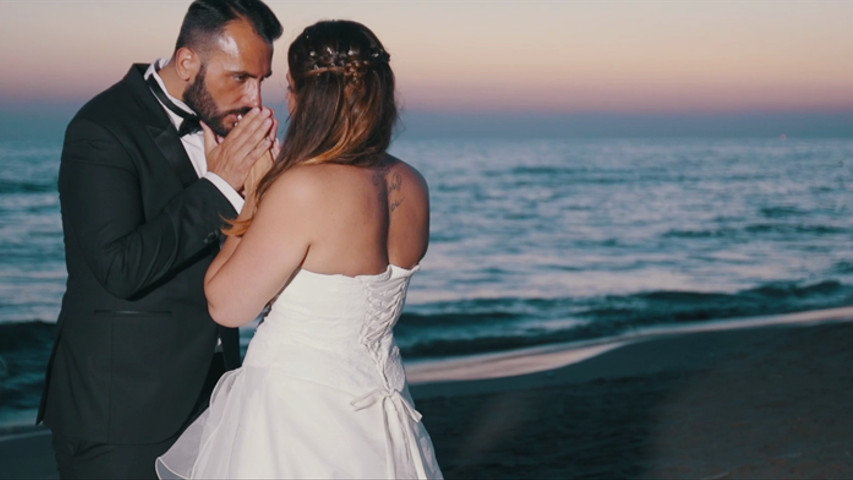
x=198, y=97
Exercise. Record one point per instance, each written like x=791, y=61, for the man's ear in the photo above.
x=187, y=64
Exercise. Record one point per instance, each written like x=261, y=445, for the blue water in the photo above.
x=533, y=242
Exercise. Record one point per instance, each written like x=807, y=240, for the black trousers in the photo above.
x=84, y=459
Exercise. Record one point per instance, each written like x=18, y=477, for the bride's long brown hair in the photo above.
x=345, y=111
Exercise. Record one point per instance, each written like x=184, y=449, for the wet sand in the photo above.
x=766, y=402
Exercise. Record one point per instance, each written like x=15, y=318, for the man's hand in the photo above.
x=232, y=157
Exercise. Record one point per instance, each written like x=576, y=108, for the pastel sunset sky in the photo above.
x=558, y=56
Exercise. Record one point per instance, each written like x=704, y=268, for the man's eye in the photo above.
x=241, y=78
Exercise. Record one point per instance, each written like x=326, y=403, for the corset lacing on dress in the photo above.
x=385, y=305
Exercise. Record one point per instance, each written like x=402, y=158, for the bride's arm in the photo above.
x=259, y=169
x=252, y=269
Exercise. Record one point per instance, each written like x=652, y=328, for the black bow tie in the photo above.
x=189, y=124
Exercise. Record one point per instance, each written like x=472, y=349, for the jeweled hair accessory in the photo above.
x=351, y=62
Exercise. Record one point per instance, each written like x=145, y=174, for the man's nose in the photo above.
x=253, y=95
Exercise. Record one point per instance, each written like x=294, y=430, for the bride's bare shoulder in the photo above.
x=299, y=185
x=402, y=176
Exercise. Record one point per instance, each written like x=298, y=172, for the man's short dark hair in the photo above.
x=206, y=19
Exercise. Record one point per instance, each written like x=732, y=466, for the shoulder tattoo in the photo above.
x=393, y=184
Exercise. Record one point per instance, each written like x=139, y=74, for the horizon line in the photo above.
x=28, y=106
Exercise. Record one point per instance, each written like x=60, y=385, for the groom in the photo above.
x=143, y=195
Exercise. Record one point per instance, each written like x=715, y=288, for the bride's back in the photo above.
x=363, y=218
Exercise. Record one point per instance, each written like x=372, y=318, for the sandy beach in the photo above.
x=769, y=399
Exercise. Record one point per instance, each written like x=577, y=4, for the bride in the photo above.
x=329, y=239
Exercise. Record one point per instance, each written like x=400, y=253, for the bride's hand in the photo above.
x=263, y=164
x=259, y=169
x=276, y=145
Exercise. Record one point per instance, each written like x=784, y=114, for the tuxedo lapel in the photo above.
x=170, y=146
x=162, y=132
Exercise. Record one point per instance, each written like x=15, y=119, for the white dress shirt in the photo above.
x=194, y=142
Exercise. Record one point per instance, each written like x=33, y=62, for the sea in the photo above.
x=534, y=241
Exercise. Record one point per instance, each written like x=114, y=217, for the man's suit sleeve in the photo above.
x=101, y=194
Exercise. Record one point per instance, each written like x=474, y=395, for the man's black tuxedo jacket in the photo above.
x=135, y=339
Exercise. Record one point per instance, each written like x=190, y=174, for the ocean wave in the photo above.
x=782, y=212
x=662, y=307
x=18, y=337
x=9, y=187
x=441, y=347
x=698, y=233
x=545, y=171
x=755, y=230
x=478, y=326
x=788, y=229
x=24, y=353
x=843, y=267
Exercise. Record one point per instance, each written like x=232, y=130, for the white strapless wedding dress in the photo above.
x=321, y=394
